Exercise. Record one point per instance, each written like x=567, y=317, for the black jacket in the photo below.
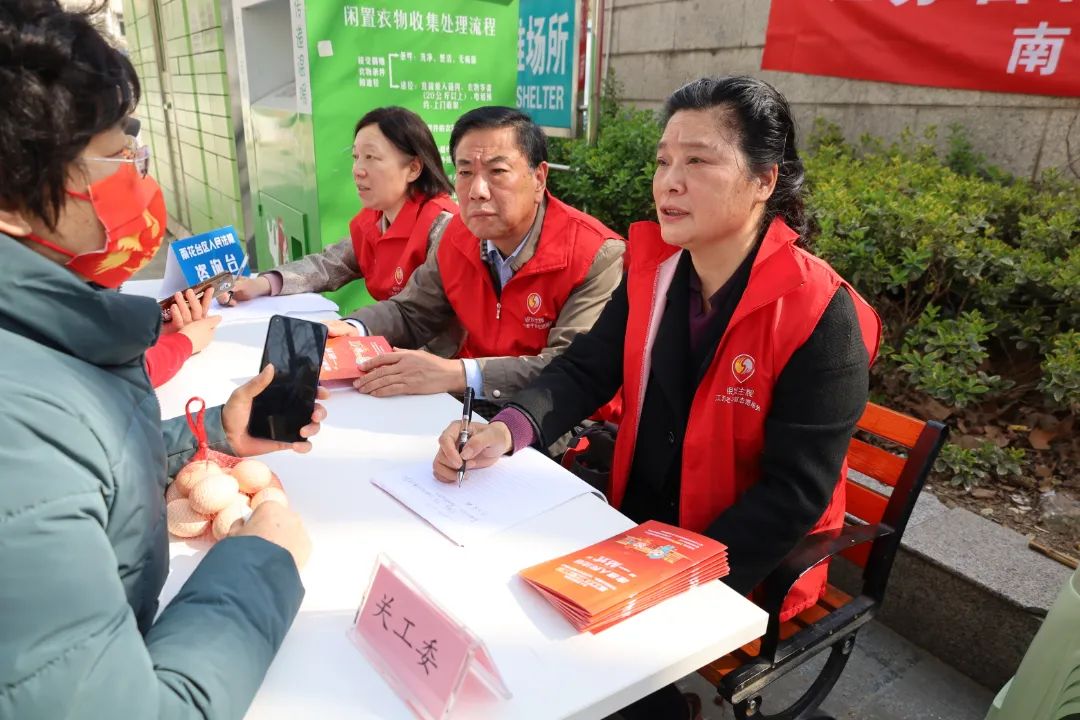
x=818, y=398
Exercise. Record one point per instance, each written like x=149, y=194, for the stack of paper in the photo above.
x=605, y=583
x=492, y=499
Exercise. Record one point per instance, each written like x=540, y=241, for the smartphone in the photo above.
x=222, y=282
x=295, y=348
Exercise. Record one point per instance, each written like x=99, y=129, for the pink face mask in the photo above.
x=131, y=208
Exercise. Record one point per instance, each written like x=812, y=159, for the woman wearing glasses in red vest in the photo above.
x=406, y=195
x=743, y=357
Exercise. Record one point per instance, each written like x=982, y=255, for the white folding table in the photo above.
x=552, y=670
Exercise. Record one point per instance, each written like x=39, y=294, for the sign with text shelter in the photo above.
x=1016, y=46
x=548, y=63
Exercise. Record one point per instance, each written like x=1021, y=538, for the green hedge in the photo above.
x=975, y=273
x=611, y=180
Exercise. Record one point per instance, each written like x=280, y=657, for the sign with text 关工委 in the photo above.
x=425, y=654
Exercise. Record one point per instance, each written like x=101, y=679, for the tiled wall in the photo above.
x=199, y=174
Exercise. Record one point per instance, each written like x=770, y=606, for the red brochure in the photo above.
x=343, y=355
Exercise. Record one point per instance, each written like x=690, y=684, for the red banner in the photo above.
x=1020, y=46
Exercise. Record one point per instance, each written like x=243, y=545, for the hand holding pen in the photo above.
x=465, y=445
x=464, y=433
x=237, y=277
x=245, y=287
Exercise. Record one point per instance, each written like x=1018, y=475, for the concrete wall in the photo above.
x=654, y=46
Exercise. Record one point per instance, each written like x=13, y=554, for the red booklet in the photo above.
x=343, y=355
x=600, y=585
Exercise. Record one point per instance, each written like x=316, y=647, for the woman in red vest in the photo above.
x=406, y=195
x=743, y=357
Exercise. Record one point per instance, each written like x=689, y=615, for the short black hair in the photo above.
x=61, y=84
x=762, y=120
x=408, y=132
x=530, y=138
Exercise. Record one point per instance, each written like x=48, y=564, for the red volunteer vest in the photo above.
x=518, y=322
x=786, y=295
x=387, y=261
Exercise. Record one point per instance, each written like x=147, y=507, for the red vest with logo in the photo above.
x=387, y=260
x=785, y=297
x=518, y=322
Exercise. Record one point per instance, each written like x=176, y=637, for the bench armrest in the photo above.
x=811, y=551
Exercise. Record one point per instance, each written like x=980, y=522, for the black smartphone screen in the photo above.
x=295, y=348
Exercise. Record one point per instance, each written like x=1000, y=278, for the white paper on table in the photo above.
x=514, y=489
x=265, y=307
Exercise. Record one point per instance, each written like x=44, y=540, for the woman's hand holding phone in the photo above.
x=272, y=521
x=237, y=413
x=297, y=346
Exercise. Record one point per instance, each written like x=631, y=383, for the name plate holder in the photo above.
x=422, y=651
x=200, y=257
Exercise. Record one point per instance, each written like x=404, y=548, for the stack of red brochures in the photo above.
x=603, y=584
x=344, y=354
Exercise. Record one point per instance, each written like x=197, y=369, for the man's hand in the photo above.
x=486, y=445
x=337, y=328
x=237, y=412
x=410, y=372
x=245, y=288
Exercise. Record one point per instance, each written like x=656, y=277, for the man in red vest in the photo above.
x=520, y=271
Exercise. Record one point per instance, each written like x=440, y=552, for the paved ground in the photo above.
x=887, y=678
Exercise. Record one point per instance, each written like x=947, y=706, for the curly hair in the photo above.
x=62, y=83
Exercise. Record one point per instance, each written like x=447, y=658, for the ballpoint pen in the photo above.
x=463, y=434
x=236, y=276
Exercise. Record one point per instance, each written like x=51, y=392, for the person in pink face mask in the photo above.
x=85, y=459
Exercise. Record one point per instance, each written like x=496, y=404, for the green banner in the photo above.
x=439, y=58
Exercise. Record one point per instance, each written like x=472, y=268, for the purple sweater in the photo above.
x=521, y=428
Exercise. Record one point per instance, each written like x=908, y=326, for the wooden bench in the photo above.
x=870, y=539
